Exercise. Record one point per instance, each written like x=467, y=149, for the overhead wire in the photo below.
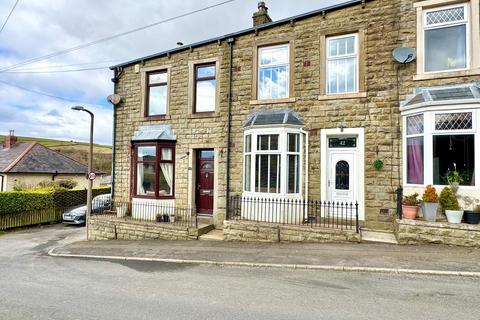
x=9, y=15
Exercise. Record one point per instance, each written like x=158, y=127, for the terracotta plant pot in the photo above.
x=471, y=217
x=454, y=216
x=429, y=210
x=409, y=212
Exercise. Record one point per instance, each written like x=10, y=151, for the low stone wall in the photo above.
x=423, y=232
x=266, y=232
x=111, y=228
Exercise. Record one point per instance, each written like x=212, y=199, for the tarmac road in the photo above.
x=34, y=285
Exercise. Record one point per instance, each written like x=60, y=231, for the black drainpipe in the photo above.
x=114, y=80
x=1, y=183
x=230, y=41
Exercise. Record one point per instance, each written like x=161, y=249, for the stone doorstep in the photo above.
x=213, y=235
x=368, y=235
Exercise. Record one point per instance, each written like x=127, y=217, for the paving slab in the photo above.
x=363, y=256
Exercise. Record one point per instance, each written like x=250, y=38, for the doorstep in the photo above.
x=213, y=235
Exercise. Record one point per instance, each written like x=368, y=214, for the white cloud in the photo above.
x=41, y=27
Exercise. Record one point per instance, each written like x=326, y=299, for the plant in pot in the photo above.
x=430, y=203
x=449, y=203
x=471, y=216
x=454, y=179
x=410, y=206
x=159, y=218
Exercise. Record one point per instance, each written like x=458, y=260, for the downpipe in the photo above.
x=230, y=42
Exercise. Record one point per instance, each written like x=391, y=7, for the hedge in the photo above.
x=23, y=201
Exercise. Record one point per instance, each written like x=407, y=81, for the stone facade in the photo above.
x=383, y=25
x=101, y=228
x=267, y=232
x=422, y=232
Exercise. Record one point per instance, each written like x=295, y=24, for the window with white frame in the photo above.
x=272, y=161
x=274, y=72
x=446, y=38
x=439, y=143
x=342, y=64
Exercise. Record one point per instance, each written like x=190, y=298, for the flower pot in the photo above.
x=471, y=217
x=429, y=210
x=454, y=216
x=409, y=212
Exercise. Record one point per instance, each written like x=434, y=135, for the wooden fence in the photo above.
x=25, y=219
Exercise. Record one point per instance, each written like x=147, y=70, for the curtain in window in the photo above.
x=415, y=160
x=167, y=168
x=140, y=188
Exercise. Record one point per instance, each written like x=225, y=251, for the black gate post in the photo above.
x=399, y=192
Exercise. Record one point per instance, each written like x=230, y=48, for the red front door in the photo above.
x=205, y=175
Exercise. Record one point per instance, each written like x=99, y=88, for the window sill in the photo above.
x=203, y=115
x=445, y=75
x=157, y=118
x=153, y=197
x=343, y=96
x=272, y=101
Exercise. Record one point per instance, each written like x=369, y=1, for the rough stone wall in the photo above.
x=116, y=229
x=377, y=112
x=266, y=232
x=422, y=232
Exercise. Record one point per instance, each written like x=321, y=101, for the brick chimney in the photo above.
x=10, y=140
x=261, y=16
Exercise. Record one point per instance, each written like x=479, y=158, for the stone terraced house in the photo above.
x=301, y=108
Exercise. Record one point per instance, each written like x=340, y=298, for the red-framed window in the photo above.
x=205, y=88
x=157, y=93
x=154, y=170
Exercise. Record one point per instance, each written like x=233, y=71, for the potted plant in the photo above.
x=472, y=216
x=410, y=206
x=454, y=179
x=449, y=203
x=159, y=218
x=430, y=203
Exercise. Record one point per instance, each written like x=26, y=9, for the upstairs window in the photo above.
x=157, y=88
x=446, y=38
x=274, y=72
x=205, y=88
x=342, y=64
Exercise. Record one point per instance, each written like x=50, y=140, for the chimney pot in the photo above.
x=10, y=140
x=261, y=16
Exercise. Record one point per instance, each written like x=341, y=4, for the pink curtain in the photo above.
x=415, y=160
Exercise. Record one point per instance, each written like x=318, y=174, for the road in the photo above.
x=34, y=285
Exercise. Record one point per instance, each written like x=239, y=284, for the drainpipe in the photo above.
x=115, y=78
x=1, y=183
x=230, y=41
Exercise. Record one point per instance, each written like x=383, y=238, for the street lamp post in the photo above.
x=90, y=160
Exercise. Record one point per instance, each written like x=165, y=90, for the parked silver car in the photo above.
x=77, y=215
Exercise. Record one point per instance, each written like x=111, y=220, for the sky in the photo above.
x=37, y=28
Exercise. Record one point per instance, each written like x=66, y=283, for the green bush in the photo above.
x=66, y=184
x=448, y=200
x=15, y=202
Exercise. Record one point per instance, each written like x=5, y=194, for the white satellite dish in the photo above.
x=114, y=99
x=404, y=55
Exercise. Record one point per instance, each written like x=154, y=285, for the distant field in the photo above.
x=102, y=154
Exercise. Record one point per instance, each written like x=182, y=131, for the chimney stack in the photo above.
x=261, y=16
x=10, y=140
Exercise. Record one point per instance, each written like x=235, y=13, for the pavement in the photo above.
x=37, y=286
x=366, y=257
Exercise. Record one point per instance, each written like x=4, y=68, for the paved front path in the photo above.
x=440, y=258
x=34, y=285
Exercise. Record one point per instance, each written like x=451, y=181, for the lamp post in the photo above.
x=90, y=160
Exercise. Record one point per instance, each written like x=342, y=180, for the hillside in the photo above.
x=102, y=154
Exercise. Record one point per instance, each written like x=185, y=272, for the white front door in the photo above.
x=341, y=180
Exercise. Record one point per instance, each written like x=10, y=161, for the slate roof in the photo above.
x=273, y=117
x=265, y=26
x=438, y=94
x=26, y=157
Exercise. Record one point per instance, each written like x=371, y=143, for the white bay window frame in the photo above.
x=428, y=134
x=282, y=152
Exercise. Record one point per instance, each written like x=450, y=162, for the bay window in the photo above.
x=154, y=169
x=273, y=161
x=446, y=38
x=342, y=64
x=438, y=142
x=274, y=72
